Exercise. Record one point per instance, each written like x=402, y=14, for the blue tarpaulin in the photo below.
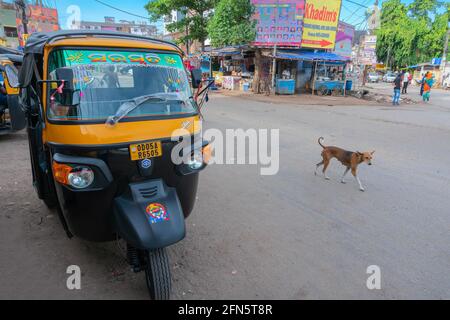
x=310, y=56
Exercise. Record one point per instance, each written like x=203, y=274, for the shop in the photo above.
x=233, y=67
x=199, y=61
x=301, y=71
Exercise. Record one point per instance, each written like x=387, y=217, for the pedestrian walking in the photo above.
x=422, y=83
x=397, y=89
x=406, y=80
x=110, y=78
x=428, y=84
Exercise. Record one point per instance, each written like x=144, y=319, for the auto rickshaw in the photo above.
x=12, y=117
x=107, y=112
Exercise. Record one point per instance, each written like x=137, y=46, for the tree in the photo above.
x=196, y=14
x=411, y=34
x=421, y=9
x=232, y=23
x=392, y=38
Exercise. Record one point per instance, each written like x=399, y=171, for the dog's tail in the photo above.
x=320, y=142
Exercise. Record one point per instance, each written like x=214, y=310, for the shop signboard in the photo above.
x=368, y=54
x=321, y=23
x=279, y=22
x=344, y=40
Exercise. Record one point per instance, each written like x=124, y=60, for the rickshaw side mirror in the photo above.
x=196, y=78
x=65, y=74
x=12, y=76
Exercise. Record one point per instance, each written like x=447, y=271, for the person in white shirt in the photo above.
x=405, y=82
x=286, y=74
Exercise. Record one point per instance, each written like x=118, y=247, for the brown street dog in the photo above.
x=351, y=160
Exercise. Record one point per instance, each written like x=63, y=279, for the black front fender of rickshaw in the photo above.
x=150, y=215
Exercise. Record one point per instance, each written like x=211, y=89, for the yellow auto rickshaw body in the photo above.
x=4, y=61
x=103, y=109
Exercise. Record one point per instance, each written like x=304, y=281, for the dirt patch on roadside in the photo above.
x=298, y=99
x=385, y=98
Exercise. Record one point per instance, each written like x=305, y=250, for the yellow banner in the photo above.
x=25, y=37
x=321, y=23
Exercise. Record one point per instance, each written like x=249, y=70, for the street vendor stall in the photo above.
x=233, y=67
x=328, y=75
x=328, y=78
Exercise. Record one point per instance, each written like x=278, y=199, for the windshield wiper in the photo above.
x=132, y=104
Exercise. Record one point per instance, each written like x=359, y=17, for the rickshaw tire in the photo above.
x=157, y=274
x=50, y=199
x=50, y=202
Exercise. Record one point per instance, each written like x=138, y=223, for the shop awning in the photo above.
x=229, y=51
x=310, y=56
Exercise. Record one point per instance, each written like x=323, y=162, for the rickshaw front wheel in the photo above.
x=157, y=274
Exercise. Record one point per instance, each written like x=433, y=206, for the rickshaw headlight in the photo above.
x=207, y=153
x=196, y=161
x=80, y=177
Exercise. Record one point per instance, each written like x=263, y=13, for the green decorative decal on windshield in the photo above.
x=90, y=57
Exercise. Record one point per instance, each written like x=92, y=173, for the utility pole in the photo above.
x=274, y=64
x=22, y=8
x=445, y=53
x=444, y=56
x=187, y=39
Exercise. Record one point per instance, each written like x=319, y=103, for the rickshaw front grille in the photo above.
x=149, y=192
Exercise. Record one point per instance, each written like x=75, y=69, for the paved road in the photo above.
x=288, y=236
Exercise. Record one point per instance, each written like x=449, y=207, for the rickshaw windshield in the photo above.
x=103, y=85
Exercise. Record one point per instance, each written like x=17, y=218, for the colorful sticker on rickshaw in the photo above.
x=157, y=213
x=92, y=57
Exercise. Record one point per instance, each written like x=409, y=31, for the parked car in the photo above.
x=389, y=77
x=373, y=77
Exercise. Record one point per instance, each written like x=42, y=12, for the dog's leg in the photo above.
x=343, y=176
x=325, y=166
x=317, y=167
x=357, y=180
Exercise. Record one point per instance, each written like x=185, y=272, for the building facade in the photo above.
x=8, y=28
x=110, y=24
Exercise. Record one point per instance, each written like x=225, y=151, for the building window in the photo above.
x=10, y=32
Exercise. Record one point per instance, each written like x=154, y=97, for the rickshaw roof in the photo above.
x=14, y=58
x=37, y=42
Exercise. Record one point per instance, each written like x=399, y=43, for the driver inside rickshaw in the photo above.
x=110, y=86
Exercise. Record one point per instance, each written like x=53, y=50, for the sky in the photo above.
x=91, y=10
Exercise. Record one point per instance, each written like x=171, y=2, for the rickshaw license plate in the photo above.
x=146, y=150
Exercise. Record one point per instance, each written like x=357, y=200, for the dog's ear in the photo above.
x=372, y=153
x=359, y=153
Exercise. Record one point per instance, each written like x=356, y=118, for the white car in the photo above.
x=389, y=77
x=373, y=77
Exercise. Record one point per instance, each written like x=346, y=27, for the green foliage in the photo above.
x=232, y=23
x=421, y=9
x=196, y=16
x=408, y=34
